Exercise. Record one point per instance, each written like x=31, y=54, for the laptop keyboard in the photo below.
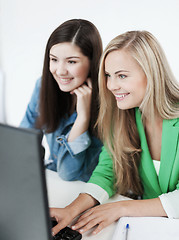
x=66, y=233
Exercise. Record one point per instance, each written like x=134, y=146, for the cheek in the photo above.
x=108, y=85
x=81, y=72
x=141, y=85
x=144, y=86
x=51, y=68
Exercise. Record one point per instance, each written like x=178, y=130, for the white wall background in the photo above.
x=25, y=27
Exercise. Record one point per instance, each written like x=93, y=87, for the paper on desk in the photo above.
x=147, y=228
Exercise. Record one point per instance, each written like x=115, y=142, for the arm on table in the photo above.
x=105, y=214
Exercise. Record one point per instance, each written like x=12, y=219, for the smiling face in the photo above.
x=69, y=67
x=125, y=79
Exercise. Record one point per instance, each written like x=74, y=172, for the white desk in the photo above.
x=61, y=193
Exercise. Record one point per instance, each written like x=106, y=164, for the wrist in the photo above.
x=81, y=204
x=83, y=119
x=74, y=211
x=123, y=208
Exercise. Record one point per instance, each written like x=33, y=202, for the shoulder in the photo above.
x=37, y=87
x=38, y=83
x=172, y=122
x=176, y=122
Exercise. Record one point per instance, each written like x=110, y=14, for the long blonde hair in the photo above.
x=117, y=127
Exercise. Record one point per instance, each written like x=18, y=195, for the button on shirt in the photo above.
x=74, y=160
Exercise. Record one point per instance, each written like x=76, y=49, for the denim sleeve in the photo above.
x=77, y=159
x=31, y=113
x=79, y=144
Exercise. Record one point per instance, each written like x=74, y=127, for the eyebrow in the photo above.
x=118, y=71
x=66, y=58
x=72, y=57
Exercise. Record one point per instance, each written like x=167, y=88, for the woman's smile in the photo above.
x=65, y=80
x=121, y=96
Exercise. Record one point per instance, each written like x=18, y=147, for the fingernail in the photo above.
x=81, y=230
x=73, y=227
x=52, y=233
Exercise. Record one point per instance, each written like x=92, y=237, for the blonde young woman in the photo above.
x=139, y=124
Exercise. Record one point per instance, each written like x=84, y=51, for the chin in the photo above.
x=125, y=106
x=64, y=89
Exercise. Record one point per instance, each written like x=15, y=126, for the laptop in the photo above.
x=24, y=212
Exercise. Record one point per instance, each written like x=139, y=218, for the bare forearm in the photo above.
x=139, y=208
x=103, y=215
x=80, y=126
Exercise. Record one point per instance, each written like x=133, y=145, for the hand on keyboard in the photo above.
x=66, y=233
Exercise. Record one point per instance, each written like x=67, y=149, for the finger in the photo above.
x=99, y=228
x=89, y=82
x=86, y=220
x=84, y=215
x=84, y=88
x=52, y=212
x=80, y=224
x=78, y=93
x=82, y=91
x=77, y=90
x=90, y=225
x=58, y=227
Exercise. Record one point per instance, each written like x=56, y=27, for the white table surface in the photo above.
x=61, y=193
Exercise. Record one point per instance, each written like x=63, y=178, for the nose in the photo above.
x=112, y=84
x=61, y=69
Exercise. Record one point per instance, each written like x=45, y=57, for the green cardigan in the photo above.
x=168, y=179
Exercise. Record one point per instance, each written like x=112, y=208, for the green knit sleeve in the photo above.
x=103, y=175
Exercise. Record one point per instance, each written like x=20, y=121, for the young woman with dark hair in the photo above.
x=64, y=103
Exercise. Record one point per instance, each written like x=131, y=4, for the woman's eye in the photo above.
x=72, y=62
x=53, y=59
x=122, y=76
x=107, y=75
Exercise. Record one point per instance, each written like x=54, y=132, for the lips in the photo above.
x=65, y=80
x=121, y=96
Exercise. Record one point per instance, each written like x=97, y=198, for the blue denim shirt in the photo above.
x=74, y=160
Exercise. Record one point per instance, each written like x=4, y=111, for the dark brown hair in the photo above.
x=54, y=103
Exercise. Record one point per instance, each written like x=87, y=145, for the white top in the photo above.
x=157, y=166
